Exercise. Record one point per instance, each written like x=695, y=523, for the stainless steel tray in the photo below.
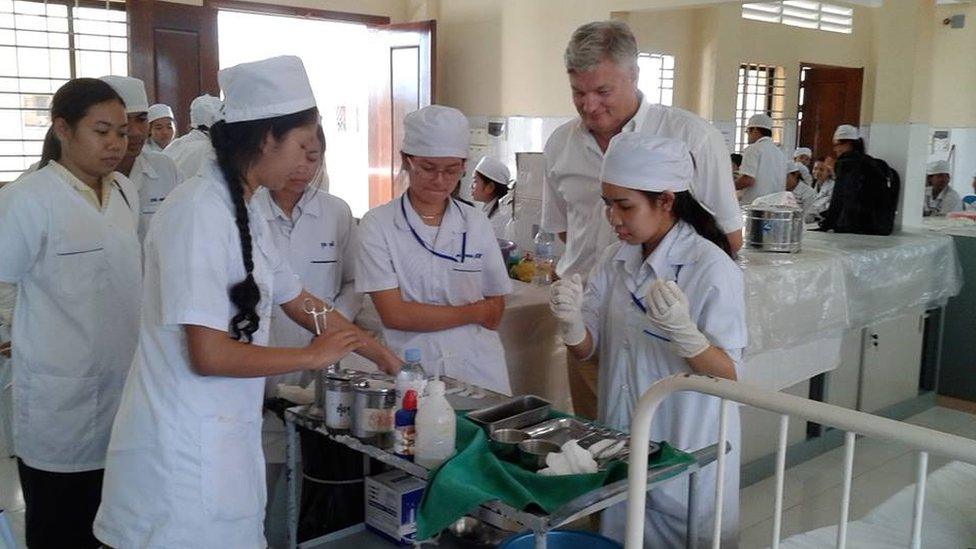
x=515, y=413
x=562, y=430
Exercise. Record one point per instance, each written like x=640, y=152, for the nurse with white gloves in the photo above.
x=153, y=174
x=68, y=242
x=162, y=127
x=193, y=150
x=490, y=185
x=432, y=264
x=666, y=300
x=184, y=466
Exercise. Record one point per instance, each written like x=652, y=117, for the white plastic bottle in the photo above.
x=436, y=428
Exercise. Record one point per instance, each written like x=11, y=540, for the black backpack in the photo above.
x=865, y=196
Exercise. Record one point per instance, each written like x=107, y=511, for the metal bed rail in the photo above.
x=921, y=439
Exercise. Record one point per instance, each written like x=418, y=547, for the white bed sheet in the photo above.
x=949, y=521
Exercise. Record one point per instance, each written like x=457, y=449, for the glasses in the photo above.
x=430, y=172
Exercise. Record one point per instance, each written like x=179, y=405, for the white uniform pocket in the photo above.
x=60, y=413
x=80, y=265
x=465, y=282
x=232, y=468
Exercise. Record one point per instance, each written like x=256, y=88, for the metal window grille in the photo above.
x=761, y=89
x=802, y=13
x=656, y=79
x=42, y=45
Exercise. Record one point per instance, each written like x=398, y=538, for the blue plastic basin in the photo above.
x=562, y=539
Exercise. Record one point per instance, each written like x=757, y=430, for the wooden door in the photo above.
x=174, y=51
x=402, y=81
x=829, y=97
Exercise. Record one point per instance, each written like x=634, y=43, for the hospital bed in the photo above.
x=898, y=522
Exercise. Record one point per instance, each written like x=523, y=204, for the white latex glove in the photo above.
x=667, y=309
x=566, y=304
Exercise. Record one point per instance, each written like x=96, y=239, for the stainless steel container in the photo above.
x=774, y=228
x=373, y=407
x=514, y=413
x=533, y=452
x=339, y=398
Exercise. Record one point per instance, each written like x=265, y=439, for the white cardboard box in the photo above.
x=392, y=501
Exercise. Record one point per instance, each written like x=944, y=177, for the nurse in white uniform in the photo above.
x=490, y=186
x=432, y=264
x=68, y=242
x=185, y=467
x=153, y=174
x=192, y=150
x=667, y=299
x=162, y=127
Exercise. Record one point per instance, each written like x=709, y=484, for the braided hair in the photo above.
x=238, y=146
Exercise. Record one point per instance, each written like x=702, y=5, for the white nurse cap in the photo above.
x=158, y=111
x=436, y=131
x=648, y=163
x=269, y=88
x=131, y=90
x=846, y=132
x=494, y=170
x=205, y=111
x=793, y=167
x=937, y=167
x=760, y=121
x=802, y=150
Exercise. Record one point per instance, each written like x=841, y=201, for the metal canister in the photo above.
x=774, y=228
x=338, y=396
x=373, y=408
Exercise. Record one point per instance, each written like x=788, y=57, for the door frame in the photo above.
x=291, y=11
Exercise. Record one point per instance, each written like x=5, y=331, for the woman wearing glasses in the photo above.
x=431, y=263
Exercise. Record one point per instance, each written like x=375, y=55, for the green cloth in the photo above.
x=474, y=475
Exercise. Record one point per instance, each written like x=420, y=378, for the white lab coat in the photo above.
x=947, y=202
x=319, y=243
x=822, y=202
x=185, y=467
x=766, y=163
x=190, y=152
x=77, y=271
x=154, y=175
x=806, y=196
x=502, y=216
x=631, y=360
x=152, y=146
x=393, y=255
x=571, y=200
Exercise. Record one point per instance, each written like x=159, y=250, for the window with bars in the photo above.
x=656, y=80
x=802, y=13
x=42, y=45
x=761, y=89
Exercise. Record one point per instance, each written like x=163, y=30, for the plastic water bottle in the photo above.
x=411, y=376
x=436, y=427
x=544, y=244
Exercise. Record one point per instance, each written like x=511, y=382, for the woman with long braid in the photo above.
x=185, y=466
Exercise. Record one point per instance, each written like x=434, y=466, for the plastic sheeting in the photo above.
x=889, y=275
x=843, y=281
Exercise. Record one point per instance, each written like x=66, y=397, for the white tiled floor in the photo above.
x=812, y=490
x=811, y=494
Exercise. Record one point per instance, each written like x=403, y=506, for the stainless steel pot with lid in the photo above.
x=774, y=228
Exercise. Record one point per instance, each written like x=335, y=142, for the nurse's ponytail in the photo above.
x=237, y=146
x=687, y=209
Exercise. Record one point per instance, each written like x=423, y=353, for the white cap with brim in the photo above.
x=648, y=163
x=205, y=111
x=273, y=87
x=801, y=151
x=436, y=131
x=937, y=167
x=793, y=167
x=131, y=90
x=846, y=132
x=760, y=121
x=493, y=169
x=158, y=111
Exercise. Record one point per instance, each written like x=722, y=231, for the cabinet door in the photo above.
x=842, y=383
x=892, y=361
